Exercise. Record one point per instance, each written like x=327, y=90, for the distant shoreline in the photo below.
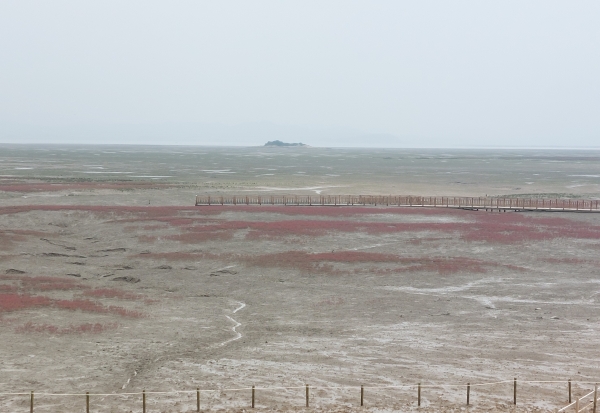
x=465, y=148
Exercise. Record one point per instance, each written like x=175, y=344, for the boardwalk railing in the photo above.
x=516, y=204
x=577, y=404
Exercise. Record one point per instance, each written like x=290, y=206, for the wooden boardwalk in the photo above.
x=474, y=203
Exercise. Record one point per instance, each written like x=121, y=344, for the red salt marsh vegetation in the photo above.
x=473, y=226
x=143, y=213
x=44, y=283
x=305, y=284
x=9, y=238
x=15, y=302
x=79, y=186
x=20, y=295
x=340, y=211
x=322, y=262
x=112, y=293
x=10, y=302
x=490, y=228
x=85, y=328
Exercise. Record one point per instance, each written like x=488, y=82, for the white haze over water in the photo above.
x=425, y=74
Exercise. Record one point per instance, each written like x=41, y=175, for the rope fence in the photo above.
x=576, y=404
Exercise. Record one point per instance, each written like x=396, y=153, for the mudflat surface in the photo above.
x=116, y=299
x=47, y=170
x=101, y=292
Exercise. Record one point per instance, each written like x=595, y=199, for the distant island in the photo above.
x=279, y=143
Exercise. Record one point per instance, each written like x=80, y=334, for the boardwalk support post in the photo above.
x=515, y=391
x=144, y=401
x=198, y=399
x=253, y=397
x=419, y=395
x=87, y=402
x=595, y=397
x=31, y=402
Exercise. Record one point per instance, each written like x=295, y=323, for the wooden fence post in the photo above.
x=31, y=402
x=362, y=395
x=253, y=397
x=419, y=395
x=595, y=397
x=515, y=391
x=577, y=405
x=468, y=392
x=569, y=391
x=307, y=396
x=198, y=399
x=143, y=401
x=87, y=402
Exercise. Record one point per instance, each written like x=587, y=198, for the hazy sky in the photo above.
x=343, y=73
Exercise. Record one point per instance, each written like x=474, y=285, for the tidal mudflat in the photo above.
x=113, y=284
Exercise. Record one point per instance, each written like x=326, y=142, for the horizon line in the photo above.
x=308, y=146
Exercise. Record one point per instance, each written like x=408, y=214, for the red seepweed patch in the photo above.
x=195, y=237
x=14, y=302
x=146, y=212
x=483, y=227
x=183, y=256
x=83, y=186
x=5, y=288
x=43, y=283
x=8, y=238
x=93, y=328
x=339, y=211
x=486, y=228
x=112, y=293
x=93, y=307
x=322, y=262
